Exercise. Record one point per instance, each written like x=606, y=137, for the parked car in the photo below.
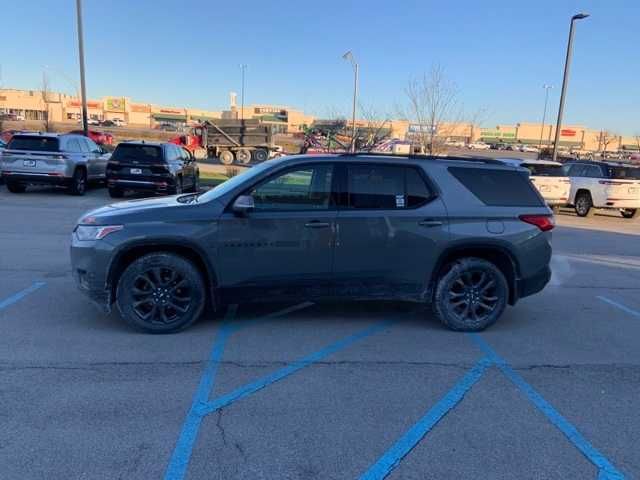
x=549, y=178
x=341, y=227
x=101, y=138
x=528, y=148
x=151, y=167
x=118, y=122
x=93, y=121
x=167, y=127
x=604, y=185
x=68, y=160
x=478, y=146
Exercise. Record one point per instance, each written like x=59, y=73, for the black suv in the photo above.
x=151, y=167
x=467, y=236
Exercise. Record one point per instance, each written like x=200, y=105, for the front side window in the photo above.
x=593, y=171
x=305, y=188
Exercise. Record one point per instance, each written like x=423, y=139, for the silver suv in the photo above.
x=52, y=159
x=467, y=236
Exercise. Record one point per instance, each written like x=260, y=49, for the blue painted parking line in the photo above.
x=16, y=297
x=415, y=434
x=606, y=470
x=620, y=306
x=284, y=372
x=182, y=451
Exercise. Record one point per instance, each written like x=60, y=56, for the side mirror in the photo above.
x=243, y=205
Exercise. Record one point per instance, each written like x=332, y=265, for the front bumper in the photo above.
x=89, y=266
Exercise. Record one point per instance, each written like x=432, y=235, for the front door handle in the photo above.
x=430, y=223
x=317, y=224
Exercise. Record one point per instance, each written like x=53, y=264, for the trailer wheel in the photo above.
x=260, y=155
x=244, y=156
x=226, y=157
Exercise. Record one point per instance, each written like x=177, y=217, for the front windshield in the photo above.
x=233, y=182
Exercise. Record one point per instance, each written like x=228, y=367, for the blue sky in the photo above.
x=187, y=53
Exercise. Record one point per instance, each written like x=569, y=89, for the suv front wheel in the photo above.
x=160, y=293
x=584, y=204
x=78, y=182
x=471, y=295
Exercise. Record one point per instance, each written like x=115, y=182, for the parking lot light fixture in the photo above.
x=565, y=79
x=349, y=56
x=83, y=90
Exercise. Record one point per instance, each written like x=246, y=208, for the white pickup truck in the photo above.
x=604, y=185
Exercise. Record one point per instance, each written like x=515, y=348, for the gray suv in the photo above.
x=467, y=236
x=52, y=159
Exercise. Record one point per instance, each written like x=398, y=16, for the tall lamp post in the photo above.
x=544, y=114
x=349, y=56
x=565, y=80
x=243, y=68
x=83, y=90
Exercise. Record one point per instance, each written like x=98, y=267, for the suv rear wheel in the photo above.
x=471, y=295
x=15, y=187
x=160, y=293
x=78, y=182
x=629, y=212
x=584, y=204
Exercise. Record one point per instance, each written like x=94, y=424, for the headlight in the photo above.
x=91, y=232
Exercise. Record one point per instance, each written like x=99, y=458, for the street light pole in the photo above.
x=349, y=56
x=544, y=114
x=85, y=122
x=243, y=67
x=565, y=80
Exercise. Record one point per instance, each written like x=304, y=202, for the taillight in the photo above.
x=543, y=222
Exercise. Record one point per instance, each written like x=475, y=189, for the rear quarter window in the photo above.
x=33, y=143
x=498, y=188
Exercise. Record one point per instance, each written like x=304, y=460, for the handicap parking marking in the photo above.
x=16, y=297
x=201, y=406
x=606, y=470
x=394, y=455
x=415, y=434
x=619, y=306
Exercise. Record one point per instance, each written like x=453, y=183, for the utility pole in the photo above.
x=243, y=68
x=83, y=90
x=544, y=114
x=349, y=56
x=565, y=80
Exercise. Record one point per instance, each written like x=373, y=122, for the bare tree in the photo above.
x=433, y=109
x=376, y=128
x=46, y=98
x=605, y=138
x=636, y=137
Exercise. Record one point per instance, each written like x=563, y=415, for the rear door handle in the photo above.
x=430, y=223
x=317, y=224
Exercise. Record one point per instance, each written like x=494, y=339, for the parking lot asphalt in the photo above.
x=329, y=391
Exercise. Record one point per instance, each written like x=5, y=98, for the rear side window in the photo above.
x=387, y=187
x=33, y=142
x=73, y=145
x=149, y=154
x=544, y=170
x=498, y=188
x=621, y=173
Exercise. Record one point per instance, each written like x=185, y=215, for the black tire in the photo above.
x=115, y=192
x=78, y=184
x=629, y=212
x=177, y=190
x=584, y=205
x=161, y=293
x=226, y=157
x=15, y=187
x=244, y=156
x=196, y=184
x=260, y=155
x=555, y=209
x=471, y=295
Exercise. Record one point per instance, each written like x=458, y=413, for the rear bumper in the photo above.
x=533, y=284
x=631, y=204
x=35, y=178
x=146, y=185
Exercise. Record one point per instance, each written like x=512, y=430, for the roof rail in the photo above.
x=487, y=160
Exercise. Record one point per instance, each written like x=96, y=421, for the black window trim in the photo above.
x=343, y=194
x=333, y=195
